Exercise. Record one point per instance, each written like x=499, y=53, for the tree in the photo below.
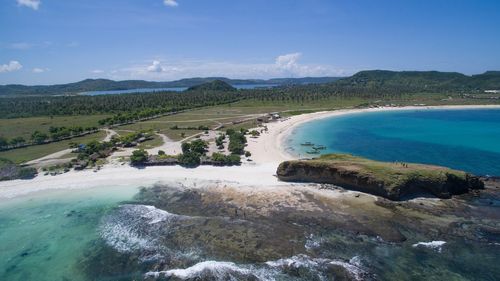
x=17, y=141
x=3, y=142
x=229, y=160
x=199, y=146
x=186, y=147
x=38, y=137
x=138, y=157
x=189, y=159
x=161, y=152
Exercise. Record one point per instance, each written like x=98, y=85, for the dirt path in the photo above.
x=109, y=134
x=170, y=146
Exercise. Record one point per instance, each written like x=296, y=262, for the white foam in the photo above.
x=435, y=245
x=272, y=270
x=313, y=242
x=295, y=262
x=137, y=228
x=354, y=266
x=216, y=269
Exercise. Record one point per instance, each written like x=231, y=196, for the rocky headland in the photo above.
x=392, y=180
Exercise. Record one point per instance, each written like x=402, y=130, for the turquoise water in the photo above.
x=43, y=237
x=462, y=139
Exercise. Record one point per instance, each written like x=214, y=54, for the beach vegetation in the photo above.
x=237, y=141
x=189, y=159
x=138, y=157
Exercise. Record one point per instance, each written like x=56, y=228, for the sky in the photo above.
x=62, y=41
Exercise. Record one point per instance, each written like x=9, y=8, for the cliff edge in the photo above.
x=392, y=180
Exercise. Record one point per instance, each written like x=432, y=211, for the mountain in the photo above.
x=110, y=85
x=422, y=80
x=216, y=85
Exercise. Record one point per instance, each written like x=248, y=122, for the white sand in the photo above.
x=267, y=152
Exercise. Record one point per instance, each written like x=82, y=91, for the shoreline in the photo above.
x=268, y=151
x=271, y=146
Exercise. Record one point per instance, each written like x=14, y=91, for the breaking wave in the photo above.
x=300, y=267
x=434, y=245
x=144, y=230
x=138, y=229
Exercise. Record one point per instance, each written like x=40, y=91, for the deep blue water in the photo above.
x=175, y=89
x=468, y=140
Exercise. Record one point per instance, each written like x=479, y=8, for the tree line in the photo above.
x=54, y=134
x=130, y=107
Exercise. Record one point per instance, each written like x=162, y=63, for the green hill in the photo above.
x=422, y=80
x=216, y=85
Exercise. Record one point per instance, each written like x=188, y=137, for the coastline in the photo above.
x=271, y=146
x=268, y=151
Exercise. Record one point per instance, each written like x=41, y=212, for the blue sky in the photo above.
x=60, y=41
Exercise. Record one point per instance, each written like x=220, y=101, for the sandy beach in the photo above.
x=267, y=150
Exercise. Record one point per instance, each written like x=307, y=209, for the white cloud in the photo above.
x=13, y=65
x=170, y=3
x=155, y=67
x=97, y=71
x=40, y=70
x=287, y=65
x=288, y=61
x=33, y=4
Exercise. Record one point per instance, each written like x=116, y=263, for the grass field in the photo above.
x=156, y=141
x=24, y=127
x=29, y=153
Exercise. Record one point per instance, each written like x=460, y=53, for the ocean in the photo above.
x=465, y=139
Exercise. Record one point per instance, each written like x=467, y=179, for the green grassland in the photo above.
x=152, y=143
x=24, y=127
x=393, y=174
x=29, y=153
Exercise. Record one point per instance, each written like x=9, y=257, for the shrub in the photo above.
x=197, y=146
x=254, y=133
x=248, y=154
x=237, y=141
x=229, y=160
x=139, y=157
x=219, y=141
x=189, y=159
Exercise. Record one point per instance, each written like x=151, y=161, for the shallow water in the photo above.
x=462, y=139
x=42, y=237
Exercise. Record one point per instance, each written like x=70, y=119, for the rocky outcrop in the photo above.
x=395, y=181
